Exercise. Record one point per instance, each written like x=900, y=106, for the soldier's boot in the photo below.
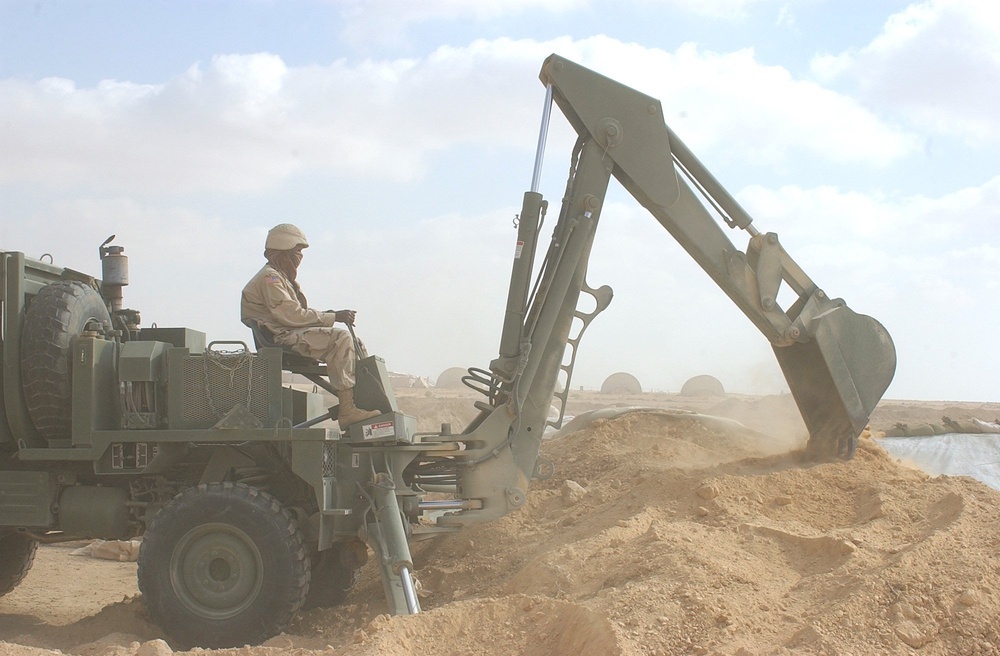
x=350, y=413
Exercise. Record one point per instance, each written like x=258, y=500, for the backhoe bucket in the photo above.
x=837, y=378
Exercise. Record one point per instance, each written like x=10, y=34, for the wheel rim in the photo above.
x=216, y=571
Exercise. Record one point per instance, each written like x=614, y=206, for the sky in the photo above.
x=400, y=136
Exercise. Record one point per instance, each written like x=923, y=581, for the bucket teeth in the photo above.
x=837, y=378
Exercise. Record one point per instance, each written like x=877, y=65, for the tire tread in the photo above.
x=188, y=630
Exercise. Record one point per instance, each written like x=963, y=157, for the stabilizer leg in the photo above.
x=387, y=537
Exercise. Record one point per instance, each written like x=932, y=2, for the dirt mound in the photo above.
x=692, y=540
x=672, y=533
x=515, y=624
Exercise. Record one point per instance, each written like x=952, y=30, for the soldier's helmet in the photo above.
x=285, y=237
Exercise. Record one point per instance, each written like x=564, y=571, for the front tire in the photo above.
x=17, y=555
x=223, y=565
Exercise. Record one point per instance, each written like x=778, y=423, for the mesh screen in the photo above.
x=215, y=383
x=329, y=461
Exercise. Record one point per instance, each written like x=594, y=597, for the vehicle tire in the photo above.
x=56, y=316
x=223, y=565
x=17, y=555
x=335, y=571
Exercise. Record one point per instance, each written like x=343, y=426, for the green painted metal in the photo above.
x=95, y=389
x=193, y=340
x=94, y=512
x=388, y=540
x=27, y=498
x=219, y=570
x=202, y=389
x=512, y=335
x=15, y=289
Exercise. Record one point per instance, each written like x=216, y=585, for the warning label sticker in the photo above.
x=379, y=430
x=517, y=250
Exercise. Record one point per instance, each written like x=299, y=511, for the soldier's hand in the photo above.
x=346, y=316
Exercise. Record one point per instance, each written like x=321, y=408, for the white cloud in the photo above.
x=923, y=266
x=937, y=62
x=386, y=21
x=247, y=122
x=203, y=129
x=726, y=9
x=383, y=22
x=761, y=113
x=406, y=11
x=924, y=224
x=241, y=123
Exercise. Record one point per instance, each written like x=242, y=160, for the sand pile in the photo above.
x=691, y=540
x=663, y=533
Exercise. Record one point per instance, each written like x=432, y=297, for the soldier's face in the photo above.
x=297, y=255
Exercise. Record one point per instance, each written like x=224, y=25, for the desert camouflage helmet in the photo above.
x=284, y=237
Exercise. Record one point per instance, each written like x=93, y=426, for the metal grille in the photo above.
x=329, y=460
x=213, y=384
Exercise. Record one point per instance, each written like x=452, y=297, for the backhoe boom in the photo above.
x=837, y=363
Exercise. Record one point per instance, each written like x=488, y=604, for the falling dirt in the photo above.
x=661, y=532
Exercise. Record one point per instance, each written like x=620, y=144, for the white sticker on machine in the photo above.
x=380, y=430
x=517, y=250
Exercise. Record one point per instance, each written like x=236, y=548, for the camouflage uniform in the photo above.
x=278, y=304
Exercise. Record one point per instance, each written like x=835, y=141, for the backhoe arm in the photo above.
x=837, y=363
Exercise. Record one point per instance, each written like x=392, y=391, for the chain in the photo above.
x=230, y=362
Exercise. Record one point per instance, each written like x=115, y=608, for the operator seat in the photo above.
x=310, y=368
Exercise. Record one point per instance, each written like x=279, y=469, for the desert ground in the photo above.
x=663, y=531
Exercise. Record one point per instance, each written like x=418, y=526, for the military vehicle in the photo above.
x=251, y=504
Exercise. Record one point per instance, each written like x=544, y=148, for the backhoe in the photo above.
x=252, y=504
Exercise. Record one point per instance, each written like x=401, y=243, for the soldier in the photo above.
x=276, y=303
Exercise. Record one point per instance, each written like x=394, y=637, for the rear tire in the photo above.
x=223, y=565
x=56, y=316
x=17, y=555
